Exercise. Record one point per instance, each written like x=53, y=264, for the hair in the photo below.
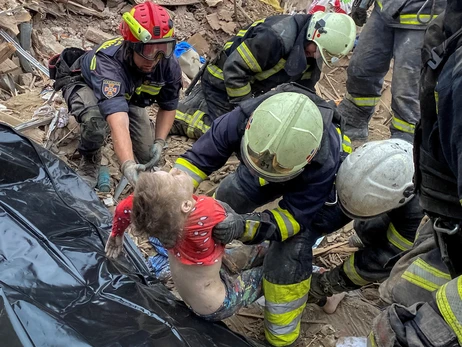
x=157, y=209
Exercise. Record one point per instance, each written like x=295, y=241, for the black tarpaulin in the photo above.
x=56, y=286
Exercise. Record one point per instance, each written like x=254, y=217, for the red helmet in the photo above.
x=156, y=27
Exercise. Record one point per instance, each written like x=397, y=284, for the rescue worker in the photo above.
x=289, y=148
x=120, y=78
x=269, y=52
x=374, y=188
x=395, y=30
x=436, y=322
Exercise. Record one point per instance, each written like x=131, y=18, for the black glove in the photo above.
x=231, y=228
x=359, y=15
x=155, y=153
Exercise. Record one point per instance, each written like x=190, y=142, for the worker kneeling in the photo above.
x=375, y=188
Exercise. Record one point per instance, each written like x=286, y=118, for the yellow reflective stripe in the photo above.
x=283, y=310
x=306, y=75
x=397, y=240
x=227, y=45
x=251, y=227
x=242, y=32
x=437, y=99
x=346, y=142
x=270, y=72
x=248, y=57
x=196, y=174
x=93, y=63
x=237, y=92
x=287, y=224
x=145, y=88
x=113, y=42
x=371, y=340
x=363, y=101
x=215, y=71
x=448, y=299
x=411, y=19
x=350, y=271
x=380, y=4
x=425, y=276
x=197, y=117
x=262, y=182
x=402, y=125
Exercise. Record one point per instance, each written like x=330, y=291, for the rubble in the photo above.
x=200, y=44
x=25, y=79
x=96, y=36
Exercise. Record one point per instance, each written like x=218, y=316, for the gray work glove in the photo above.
x=131, y=171
x=231, y=228
x=155, y=152
x=114, y=246
x=359, y=15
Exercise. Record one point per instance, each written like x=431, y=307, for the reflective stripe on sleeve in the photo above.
x=237, y=92
x=251, y=227
x=425, y=276
x=194, y=172
x=346, y=142
x=270, y=72
x=249, y=58
x=287, y=224
x=350, y=271
x=215, y=71
x=449, y=301
x=397, y=240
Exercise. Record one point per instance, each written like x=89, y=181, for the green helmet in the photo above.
x=333, y=33
x=282, y=136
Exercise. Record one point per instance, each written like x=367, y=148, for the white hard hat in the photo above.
x=376, y=178
x=282, y=136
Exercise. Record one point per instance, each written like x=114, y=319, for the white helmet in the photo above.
x=333, y=33
x=282, y=136
x=376, y=178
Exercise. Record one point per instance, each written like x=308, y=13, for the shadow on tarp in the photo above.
x=56, y=286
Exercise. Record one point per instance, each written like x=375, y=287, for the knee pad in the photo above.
x=93, y=127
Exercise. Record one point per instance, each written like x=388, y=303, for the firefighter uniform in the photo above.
x=113, y=84
x=384, y=238
x=394, y=30
x=267, y=53
x=288, y=264
x=437, y=322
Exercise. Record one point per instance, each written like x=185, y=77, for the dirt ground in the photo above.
x=356, y=312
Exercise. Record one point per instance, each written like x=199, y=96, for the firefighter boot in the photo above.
x=360, y=132
x=89, y=168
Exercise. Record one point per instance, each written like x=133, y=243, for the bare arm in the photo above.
x=164, y=122
x=119, y=124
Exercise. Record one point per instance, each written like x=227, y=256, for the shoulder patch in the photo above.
x=110, y=89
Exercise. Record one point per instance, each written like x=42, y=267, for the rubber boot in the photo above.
x=89, y=168
x=360, y=132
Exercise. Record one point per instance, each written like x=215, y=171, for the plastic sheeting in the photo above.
x=56, y=286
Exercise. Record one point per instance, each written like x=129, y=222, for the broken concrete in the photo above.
x=47, y=43
x=96, y=35
x=25, y=79
x=199, y=43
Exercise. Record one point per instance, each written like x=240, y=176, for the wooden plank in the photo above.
x=9, y=119
x=6, y=51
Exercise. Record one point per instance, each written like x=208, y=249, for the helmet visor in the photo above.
x=266, y=166
x=154, y=50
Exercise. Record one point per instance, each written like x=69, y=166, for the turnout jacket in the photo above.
x=302, y=196
x=267, y=53
x=403, y=13
x=117, y=83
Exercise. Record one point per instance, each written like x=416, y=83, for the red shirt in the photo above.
x=197, y=246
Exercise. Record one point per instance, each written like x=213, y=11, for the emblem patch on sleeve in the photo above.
x=110, y=89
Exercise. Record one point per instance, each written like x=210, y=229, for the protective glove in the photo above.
x=114, y=246
x=155, y=153
x=131, y=170
x=359, y=15
x=231, y=228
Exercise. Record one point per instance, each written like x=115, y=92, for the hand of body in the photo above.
x=114, y=246
x=155, y=153
x=131, y=171
x=231, y=228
